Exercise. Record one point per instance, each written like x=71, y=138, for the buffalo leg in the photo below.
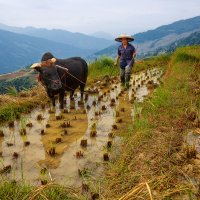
x=51, y=96
x=71, y=94
x=61, y=99
x=53, y=100
x=82, y=86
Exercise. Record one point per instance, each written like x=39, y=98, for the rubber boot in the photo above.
x=127, y=81
x=122, y=80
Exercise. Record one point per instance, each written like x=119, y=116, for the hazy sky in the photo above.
x=88, y=16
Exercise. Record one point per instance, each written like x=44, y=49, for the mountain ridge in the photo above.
x=149, y=41
x=177, y=27
x=76, y=39
x=20, y=50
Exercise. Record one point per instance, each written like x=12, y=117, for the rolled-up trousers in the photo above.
x=125, y=74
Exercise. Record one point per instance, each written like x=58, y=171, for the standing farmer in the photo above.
x=126, y=55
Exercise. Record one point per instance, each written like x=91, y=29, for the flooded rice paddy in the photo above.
x=65, y=145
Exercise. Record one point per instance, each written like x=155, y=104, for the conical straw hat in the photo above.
x=128, y=37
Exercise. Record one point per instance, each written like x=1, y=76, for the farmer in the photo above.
x=126, y=55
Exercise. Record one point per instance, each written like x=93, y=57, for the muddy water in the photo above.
x=193, y=139
x=50, y=149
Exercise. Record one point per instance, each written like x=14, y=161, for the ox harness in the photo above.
x=57, y=81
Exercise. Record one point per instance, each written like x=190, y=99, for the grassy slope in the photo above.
x=154, y=157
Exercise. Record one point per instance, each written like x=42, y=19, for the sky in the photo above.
x=89, y=16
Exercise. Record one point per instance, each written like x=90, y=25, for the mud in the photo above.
x=53, y=144
x=193, y=139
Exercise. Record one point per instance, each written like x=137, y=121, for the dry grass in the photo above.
x=12, y=107
x=21, y=190
x=41, y=192
x=135, y=192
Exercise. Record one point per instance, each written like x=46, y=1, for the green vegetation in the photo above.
x=105, y=66
x=12, y=106
x=12, y=91
x=154, y=158
x=20, y=83
x=102, y=67
x=148, y=63
x=16, y=191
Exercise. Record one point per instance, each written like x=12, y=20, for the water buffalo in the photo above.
x=59, y=75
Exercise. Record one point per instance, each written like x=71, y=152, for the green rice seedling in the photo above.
x=137, y=111
x=23, y=122
x=84, y=173
x=43, y=176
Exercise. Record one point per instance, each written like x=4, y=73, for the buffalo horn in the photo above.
x=33, y=66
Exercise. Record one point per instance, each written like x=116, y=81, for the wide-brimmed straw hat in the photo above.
x=128, y=37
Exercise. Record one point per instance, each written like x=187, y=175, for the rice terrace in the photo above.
x=103, y=135
x=105, y=115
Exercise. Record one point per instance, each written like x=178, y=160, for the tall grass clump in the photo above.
x=102, y=67
x=11, y=90
x=187, y=54
x=148, y=63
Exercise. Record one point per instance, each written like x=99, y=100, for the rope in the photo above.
x=55, y=81
x=67, y=71
x=76, y=78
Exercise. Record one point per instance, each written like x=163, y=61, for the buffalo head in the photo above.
x=49, y=74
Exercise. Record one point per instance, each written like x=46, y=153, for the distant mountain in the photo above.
x=109, y=51
x=193, y=39
x=150, y=41
x=176, y=28
x=101, y=34
x=18, y=50
x=23, y=46
x=78, y=40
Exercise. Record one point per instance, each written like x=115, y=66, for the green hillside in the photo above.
x=20, y=83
